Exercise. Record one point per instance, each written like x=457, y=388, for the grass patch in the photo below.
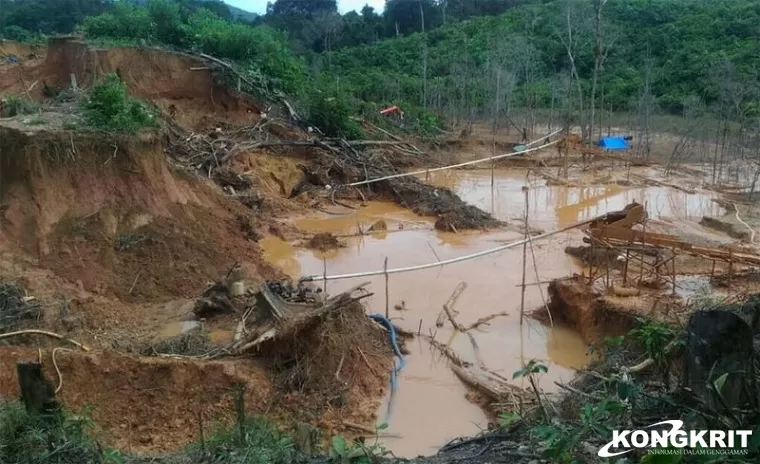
x=15, y=105
x=28, y=439
x=256, y=442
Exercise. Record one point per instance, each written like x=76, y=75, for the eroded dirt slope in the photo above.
x=101, y=209
x=184, y=87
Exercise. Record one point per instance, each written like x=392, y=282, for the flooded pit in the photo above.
x=429, y=407
x=560, y=206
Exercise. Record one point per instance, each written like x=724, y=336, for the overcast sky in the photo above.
x=260, y=6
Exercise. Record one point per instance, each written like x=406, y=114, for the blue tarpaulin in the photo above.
x=613, y=143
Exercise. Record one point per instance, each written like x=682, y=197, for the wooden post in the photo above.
x=657, y=265
x=387, y=293
x=712, y=272
x=324, y=275
x=37, y=394
x=625, y=268
x=730, y=265
x=607, y=251
x=525, y=256
x=674, y=270
x=643, y=246
x=240, y=411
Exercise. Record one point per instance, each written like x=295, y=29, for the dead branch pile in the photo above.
x=323, y=351
x=16, y=307
x=347, y=164
x=195, y=343
x=338, y=162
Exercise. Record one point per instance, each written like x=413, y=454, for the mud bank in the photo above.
x=101, y=209
x=573, y=303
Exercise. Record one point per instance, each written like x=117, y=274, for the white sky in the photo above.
x=260, y=6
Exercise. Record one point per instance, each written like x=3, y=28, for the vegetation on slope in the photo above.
x=110, y=108
x=674, y=51
x=474, y=59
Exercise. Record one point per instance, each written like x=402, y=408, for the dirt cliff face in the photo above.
x=99, y=209
x=182, y=86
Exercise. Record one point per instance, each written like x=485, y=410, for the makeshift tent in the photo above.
x=393, y=110
x=613, y=143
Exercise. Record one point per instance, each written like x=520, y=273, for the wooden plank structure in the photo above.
x=620, y=233
x=615, y=232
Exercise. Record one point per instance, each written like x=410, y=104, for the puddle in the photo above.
x=178, y=328
x=429, y=407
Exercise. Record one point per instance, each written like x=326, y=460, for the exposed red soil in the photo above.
x=193, y=98
x=115, y=242
x=575, y=304
x=118, y=220
x=144, y=404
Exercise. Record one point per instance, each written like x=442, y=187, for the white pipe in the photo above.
x=467, y=163
x=315, y=278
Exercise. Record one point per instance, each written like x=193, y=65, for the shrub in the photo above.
x=125, y=21
x=110, y=108
x=332, y=115
x=255, y=442
x=15, y=105
x=16, y=33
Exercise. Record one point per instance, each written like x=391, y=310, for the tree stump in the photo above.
x=720, y=342
x=37, y=393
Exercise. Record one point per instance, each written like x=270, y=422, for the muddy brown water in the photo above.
x=429, y=406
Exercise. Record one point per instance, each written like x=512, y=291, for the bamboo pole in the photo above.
x=525, y=256
x=453, y=166
x=324, y=275
x=387, y=293
x=674, y=270
x=419, y=267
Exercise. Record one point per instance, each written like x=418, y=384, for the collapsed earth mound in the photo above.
x=109, y=212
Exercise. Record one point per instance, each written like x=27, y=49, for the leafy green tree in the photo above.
x=408, y=16
x=47, y=16
x=308, y=8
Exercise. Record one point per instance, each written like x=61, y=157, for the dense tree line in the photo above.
x=672, y=55
x=459, y=58
x=23, y=19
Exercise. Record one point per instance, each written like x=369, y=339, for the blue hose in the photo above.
x=392, y=330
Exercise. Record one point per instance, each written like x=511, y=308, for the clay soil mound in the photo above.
x=573, y=303
x=143, y=404
x=196, y=99
x=452, y=213
x=109, y=212
x=324, y=241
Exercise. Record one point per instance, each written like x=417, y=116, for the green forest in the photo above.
x=453, y=59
